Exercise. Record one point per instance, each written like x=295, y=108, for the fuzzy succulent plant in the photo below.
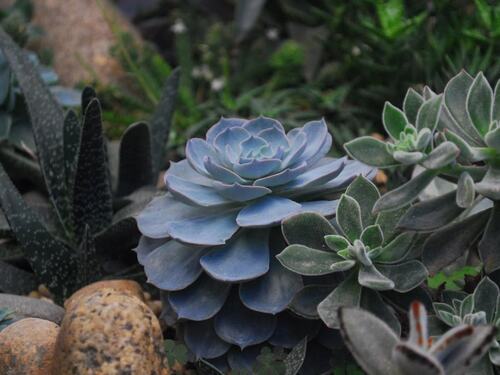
x=380, y=352
x=453, y=136
x=365, y=247
x=72, y=236
x=209, y=241
x=479, y=308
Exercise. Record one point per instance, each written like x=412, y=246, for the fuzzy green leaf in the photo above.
x=349, y=217
x=336, y=242
x=486, y=298
x=411, y=104
x=492, y=139
x=372, y=236
x=371, y=277
x=394, y=120
x=306, y=261
x=429, y=112
x=465, y=191
x=489, y=186
x=397, y=249
x=405, y=194
x=366, y=194
x=441, y=156
x=370, y=151
x=406, y=276
x=307, y=229
x=479, y=102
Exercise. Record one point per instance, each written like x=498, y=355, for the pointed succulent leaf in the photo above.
x=336, y=242
x=488, y=246
x=452, y=241
x=369, y=339
x=307, y=261
x=52, y=261
x=467, y=306
x=92, y=200
x=88, y=93
x=486, y=298
x=411, y=104
x=441, y=156
x=370, y=151
x=89, y=267
x=372, y=236
x=431, y=214
x=479, y=103
x=396, y=250
x=349, y=217
x=406, y=193
x=394, y=120
x=71, y=138
x=467, y=152
x=406, y=276
x=307, y=229
x=489, y=186
x=370, y=277
x=495, y=113
x=136, y=165
x=366, y=194
x=424, y=138
x=427, y=93
x=455, y=97
x=346, y=294
x=429, y=112
x=161, y=120
x=388, y=220
x=492, y=139
x=408, y=158
x=47, y=121
x=465, y=191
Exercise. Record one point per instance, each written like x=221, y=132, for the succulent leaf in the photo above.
x=370, y=151
x=366, y=194
x=479, y=104
x=488, y=246
x=394, y=120
x=429, y=112
x=465, y=191
x=372, y=236
x=307, y=229
x=336, y=242
x=441, y=156
x=411, y=104
x=307, y=261
x=349, y=217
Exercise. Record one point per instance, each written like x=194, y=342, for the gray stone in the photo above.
x=32, y=307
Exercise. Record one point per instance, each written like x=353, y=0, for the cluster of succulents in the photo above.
x=365, y=248
x=478, y=309
x=379, y=351
x=209, y=241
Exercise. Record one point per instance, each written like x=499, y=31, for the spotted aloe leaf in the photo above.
x=52, y=260
x=92, y=199
x=136, y=163
x=161, y=120
x=47, y=120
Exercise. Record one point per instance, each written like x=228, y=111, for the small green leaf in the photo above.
x=349, y=217
x=306, y=261
x=343, y=265
x=467, y=306
x=336, y=242
x=405, y=194
x=366, y=194
x=428, y=114
x=492, y=139
x=431, y=214
x=346, y=294
x=408, y=158
x=479, y=102
x=372, y=236
x=370, y=277
x=396, y=250
x=406, y=276
x=370, y=151
x=394, y=120
x=441, y=156
x=465, y=191
x=411, y=104
x=388, y=220
x=307, y=229
x=467, y=153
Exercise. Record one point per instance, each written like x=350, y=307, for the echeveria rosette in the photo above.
x=381, y=352
x=365, y=247
x=482, y=307
x=208, y=241
x=464, y=148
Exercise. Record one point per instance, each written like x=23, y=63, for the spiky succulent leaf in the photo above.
x=92, y=200
x=136, y=164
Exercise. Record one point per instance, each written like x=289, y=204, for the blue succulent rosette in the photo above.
x=208, y=241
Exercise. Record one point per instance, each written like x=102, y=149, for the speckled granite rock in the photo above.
x=32, y=307
x=27, y=347
x=80, y=38
x=117, y=285
x=110, y=332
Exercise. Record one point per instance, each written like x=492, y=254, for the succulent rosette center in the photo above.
x=207, y=241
